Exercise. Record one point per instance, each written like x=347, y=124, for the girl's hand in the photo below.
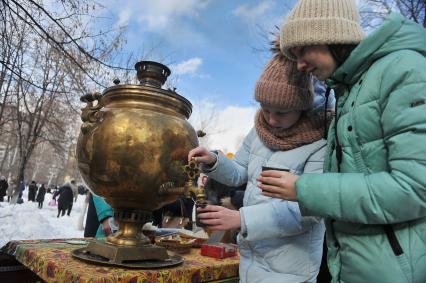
x=202, y=155
x=219, y=217
x=278, y=184
x=106, y=228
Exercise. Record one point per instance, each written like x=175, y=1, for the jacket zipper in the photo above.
x=390, y=233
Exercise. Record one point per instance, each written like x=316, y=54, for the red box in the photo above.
x=219, y=250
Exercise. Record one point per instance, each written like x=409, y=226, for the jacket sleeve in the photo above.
x=103, y=209
x=74, y=191
x=315, y=162
x=232, y=172
x=279, y=218
x=395, y=195
x=57, y=193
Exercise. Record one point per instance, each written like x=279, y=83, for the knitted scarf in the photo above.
x=308, y=129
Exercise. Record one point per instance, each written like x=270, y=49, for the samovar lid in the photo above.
x=151, y=75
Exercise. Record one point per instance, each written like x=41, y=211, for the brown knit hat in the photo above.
x=282, y=85
x=316, y=22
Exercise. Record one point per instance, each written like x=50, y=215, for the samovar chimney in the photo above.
x=151, y=73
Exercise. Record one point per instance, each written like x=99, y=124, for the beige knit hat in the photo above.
x=282, y=85
x=316, y=22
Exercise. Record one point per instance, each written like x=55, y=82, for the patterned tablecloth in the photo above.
x=52, y=261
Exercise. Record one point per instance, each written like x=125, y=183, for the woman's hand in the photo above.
x=278, y=184
x=219, y=217
x=202, y=155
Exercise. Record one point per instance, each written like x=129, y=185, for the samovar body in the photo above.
x=133, y=147
x=138, y=145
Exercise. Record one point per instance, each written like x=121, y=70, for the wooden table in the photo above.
x=51, y=261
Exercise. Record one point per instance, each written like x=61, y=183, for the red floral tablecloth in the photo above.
x=52, y=261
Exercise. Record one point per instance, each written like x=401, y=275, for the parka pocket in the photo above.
x=399, y=253
x=405, y=266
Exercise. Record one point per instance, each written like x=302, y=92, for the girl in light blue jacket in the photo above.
x=276, y=243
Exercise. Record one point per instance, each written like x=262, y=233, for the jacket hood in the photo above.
x=396, y=33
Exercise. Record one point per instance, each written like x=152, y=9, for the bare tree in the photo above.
x=204, y=119
x=49, y=57
x=372, y=11
x=71, y=36
x=11, y=45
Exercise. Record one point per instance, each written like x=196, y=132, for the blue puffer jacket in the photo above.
x=276, y=243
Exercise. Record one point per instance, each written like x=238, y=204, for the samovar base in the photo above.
x=149, y=256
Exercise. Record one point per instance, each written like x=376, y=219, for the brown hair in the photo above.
x=341, y=52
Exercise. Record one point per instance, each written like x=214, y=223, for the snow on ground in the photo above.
x=27, y=221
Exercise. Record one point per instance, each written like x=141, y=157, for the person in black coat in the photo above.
x=182, y=207
x=3, y=187
x=92, y=221
x=216, y=192
x=21, y=189
x=32, y=191
x=65, y=199
x=40, y=196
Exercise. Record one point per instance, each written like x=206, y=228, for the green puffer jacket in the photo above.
x=381, y=114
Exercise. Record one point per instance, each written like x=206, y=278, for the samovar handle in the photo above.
x=90, y=114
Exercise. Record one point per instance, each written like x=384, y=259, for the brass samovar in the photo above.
x=132, y=150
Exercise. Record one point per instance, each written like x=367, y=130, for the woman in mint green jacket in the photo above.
x=373, y=191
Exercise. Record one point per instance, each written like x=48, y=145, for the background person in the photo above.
x=32, y=191
x=40, y=196
x=74, y=189
x=10, y=189
x=3, y=187
x=104, y=213
x=65, y=199
x=19, y=193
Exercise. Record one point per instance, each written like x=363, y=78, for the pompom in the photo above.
x=275, y=44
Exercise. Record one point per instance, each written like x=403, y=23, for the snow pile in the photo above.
x=27, y=221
